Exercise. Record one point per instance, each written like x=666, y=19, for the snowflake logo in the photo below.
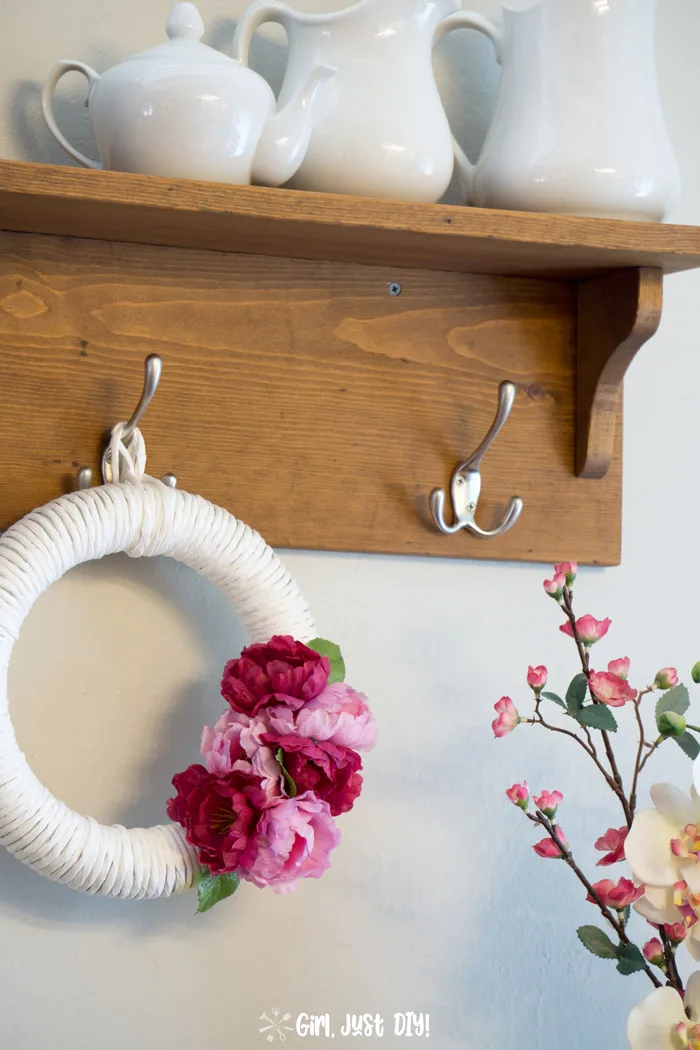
x=275, y=1025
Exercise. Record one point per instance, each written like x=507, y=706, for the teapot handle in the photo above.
x=253, y=17
x=93, y=78
x=468, y=20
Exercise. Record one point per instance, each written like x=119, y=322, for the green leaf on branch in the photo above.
x=629, y=959
x=214, y=888
x=556, y=699
x=597, y=942
x=676, y=700
x=689, y=744
x=289, y=782
x=325, y=648
x=576, y=694
x=597, y=716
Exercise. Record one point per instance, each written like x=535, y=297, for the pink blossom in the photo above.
x=620, y=667
x=555, y=587
x=537, y=678
x=294, y=839
x=234, y=745
x=588, y=629
x=569, y=569
x=611, y=689
x=548, y=802
x=519, y=795
x=654, y=952
x=676, y=932
x=616, y=895
x=508, y=717
x=340, y=715
x=612, y=843
x=666, y=678
x=548, y=848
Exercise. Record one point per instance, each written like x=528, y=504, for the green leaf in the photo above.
x=629, y=959
x=325, y=648
x=214, y=888
x=676, y=700
x=688, y=744
x=597, y=942
x=626, y=915
x=597, y=716
x=556, y=699
x=289, y=783
x=576, y=694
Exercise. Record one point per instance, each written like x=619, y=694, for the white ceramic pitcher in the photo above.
x=578, y=127
x=380, y=129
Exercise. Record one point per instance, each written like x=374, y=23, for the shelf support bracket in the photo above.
x=617, y=314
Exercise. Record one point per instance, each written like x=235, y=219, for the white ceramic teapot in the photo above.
x=381, y=129
x=184, y=110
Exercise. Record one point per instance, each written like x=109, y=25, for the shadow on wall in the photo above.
x=198, y=703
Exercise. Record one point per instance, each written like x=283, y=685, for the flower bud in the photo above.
x=666, y=678
x=654, y=952
x=671, y=724
x=676, y=932
x=519, y=795
x=555, y=587
x=537, y=678
x=695, y=673
x=569, y=569
x=549, y=802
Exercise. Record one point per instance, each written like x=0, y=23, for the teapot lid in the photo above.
x=185, y=23
x=185, y=29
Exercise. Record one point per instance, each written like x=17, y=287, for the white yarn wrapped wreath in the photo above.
x=142, y=517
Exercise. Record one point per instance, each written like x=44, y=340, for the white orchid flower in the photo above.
x=663, y=844
x=663, y=1022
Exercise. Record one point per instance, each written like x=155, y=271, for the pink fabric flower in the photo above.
x=331, y=772
x=612, y=843
x=616, y=895
x=537, y=678
x=282, y=671
x=295, y=837
x=234, y=744
x=611, y=689
x=548, y=802
x=548, y=848
x=339, y=714
x=588, y=629
x=653, y=951
x=666, y=678
x=676, y=932
x=569, y=569
x=508, y=717
x=620, y=667
x=555, y=587
x=519, y=795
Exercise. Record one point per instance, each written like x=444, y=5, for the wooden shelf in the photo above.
x=39, y=198
x=297, y=391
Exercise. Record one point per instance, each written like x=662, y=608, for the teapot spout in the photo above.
x=286, y=136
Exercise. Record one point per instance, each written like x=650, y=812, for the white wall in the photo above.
x=434, y=902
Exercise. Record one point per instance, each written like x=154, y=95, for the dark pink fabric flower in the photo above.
x=329, y=770
x=612, y=843
x=616, y=895
x=219, y=814
x=281, y=671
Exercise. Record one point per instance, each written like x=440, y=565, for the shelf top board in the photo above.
x=112, y=206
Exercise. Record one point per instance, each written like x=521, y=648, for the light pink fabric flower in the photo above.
x=548, y=848
x=508, y=717
x=549, y=802
x=555, y=587
x=340, y=715
x=611, y=689
x=616, y=895
x=620, y=667
x=612, y=843
x=234, y=745
x=537, y=678
x=588, y=629
x=519, y=794
x=294, y=840
x=666, y=678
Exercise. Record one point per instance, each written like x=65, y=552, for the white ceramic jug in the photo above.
x=578, y=127
x=184, y=110
x=380, y=129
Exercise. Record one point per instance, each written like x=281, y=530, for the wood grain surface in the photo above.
x=300, y=394
x=141, y=209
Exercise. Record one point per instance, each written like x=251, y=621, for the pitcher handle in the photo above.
x=469, y=20
x=253, y=17
x=47, y=95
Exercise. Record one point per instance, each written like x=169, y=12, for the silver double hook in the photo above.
x=465, y=486
x=153, y=369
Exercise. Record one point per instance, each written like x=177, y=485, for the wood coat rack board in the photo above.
x=297, y=391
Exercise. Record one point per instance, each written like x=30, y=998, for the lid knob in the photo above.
x=185, y=23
